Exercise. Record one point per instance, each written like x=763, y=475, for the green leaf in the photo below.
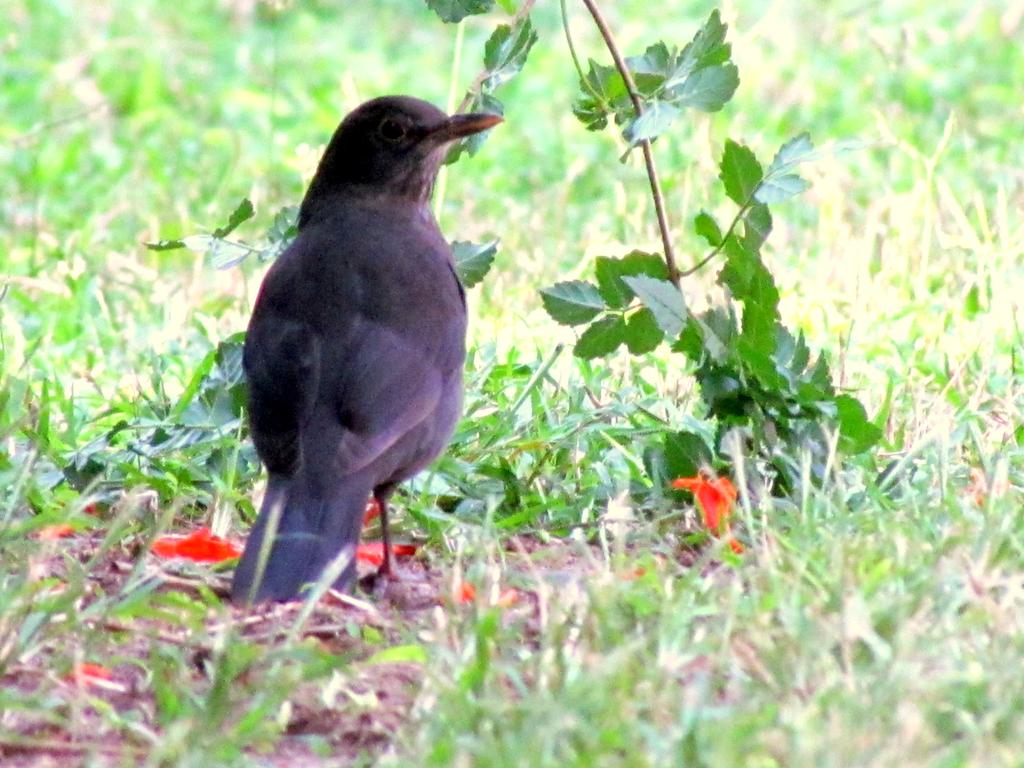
x=412, y=653
x=166, y=245
x=663, y=299
x=972, y=302
x=610, y=271
x=572, y=302
x=759, y=362
x=705, y=226
x=739, y=171
x=708, y=89
x=757, y=225
x=642, y=332
x=655, y=120
x=285, y=224
x=685, y=454
x=452, y=11
x=505, y=52
x=473, y=260
x=797, y=150
x=707, y=48
x=775, y=189
x=601, y=338
x=746, y=276
x=856, y=432
x=611, y=95
x=281, y=232
x=243, y=212
x=780, y=183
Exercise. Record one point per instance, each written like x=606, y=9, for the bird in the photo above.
x=355, y=348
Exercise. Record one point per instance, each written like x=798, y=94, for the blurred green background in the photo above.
x=864, y=627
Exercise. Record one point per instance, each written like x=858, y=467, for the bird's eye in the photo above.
x=392, y=130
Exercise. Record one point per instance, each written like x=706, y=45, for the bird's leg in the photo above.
x=381, y=496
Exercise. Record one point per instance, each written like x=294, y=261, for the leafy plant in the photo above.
x=759, y=384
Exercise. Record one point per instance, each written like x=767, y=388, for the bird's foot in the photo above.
x=380, y=581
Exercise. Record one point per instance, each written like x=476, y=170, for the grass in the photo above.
x=871, y=622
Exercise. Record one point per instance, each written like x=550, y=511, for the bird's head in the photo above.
x=392, y=146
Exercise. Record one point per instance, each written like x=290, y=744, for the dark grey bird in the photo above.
x=355, y=349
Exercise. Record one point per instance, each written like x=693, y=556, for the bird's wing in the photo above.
x=375, y=389
x=282, y=367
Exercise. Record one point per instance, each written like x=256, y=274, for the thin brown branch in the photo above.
x=645, y=145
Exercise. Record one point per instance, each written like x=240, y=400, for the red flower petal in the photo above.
x=200, y=546
x=372, y=511
x=53, y=532
x=464, y=592
x=372, y=552
x=714, y=497
x=87, y=673
x=635, y=573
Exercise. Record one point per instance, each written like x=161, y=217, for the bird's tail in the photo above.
x=296, y=537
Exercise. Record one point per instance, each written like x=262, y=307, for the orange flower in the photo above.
x=508, y=597
x=201, y=546
x=635, y=573
x=463, y=592
x=53, y=532
x=87, y=673
x=715, y=498
x=372, y=552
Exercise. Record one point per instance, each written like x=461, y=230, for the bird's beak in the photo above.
x=459, y=126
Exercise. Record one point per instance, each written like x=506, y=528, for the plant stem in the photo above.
x=645, y=145
x=728, y=233
x=576, y=59
x=442, y=176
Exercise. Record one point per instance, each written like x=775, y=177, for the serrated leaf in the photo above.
x=601, y=90
x=609, y=272
x=706, y=226
x=775, y=189
x=473, y=260
x=856, y=431
x=708, y=89
x=284, y=225
x=243, y=212
x=707, y=48
x=739, y=171
x=797, y=150
x=757, y=361
x=642, y=332
x=452, y=11
x=757, y=225
x=601, y=337
x=505, y=52
x=663, y=299
x=746, y=276
x=573, y=302
x=655, y=120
